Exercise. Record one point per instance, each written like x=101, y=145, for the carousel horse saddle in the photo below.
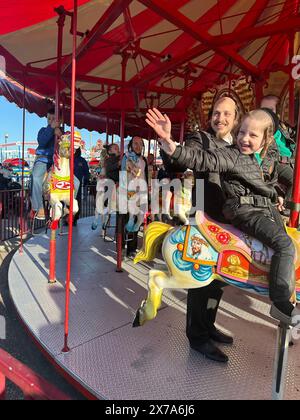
x=241, y=258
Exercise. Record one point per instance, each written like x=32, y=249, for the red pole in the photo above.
x=182, y=128
x=122, y=150
x=60, y=24
x=70, y=239
x=294, y=219
x=119, y=216
x=2, y=387
x=52, y=265
x=291, y=82
x=22, y=220
x=259, y=92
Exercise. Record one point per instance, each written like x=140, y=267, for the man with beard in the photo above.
x=203, y=303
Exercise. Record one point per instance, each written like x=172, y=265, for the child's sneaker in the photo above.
x=284, y=312
x=40, y=215
x=130, y=225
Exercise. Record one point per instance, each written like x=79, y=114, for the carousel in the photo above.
x=103, y=64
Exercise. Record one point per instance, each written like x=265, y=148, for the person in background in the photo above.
x=285, y=135
x=112, y=163
x=43, y=162
x=285, y=138
x=81, y=172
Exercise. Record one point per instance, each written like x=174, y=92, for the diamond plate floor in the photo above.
x=113, y=360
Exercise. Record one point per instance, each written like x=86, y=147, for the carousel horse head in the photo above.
x=64, y=144
x=197, y=255
x=57, y=185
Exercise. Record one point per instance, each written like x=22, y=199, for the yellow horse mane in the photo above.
x=153, y=239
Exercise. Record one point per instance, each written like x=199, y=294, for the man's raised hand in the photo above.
x=162, y=125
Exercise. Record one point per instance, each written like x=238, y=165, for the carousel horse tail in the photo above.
x=153, y=239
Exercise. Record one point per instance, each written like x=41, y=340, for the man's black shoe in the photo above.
x=131, y=255
x=210, y=351
x=219, y=337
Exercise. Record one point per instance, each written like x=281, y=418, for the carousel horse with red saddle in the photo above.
x=56, y=190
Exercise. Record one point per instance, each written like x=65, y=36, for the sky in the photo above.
x=11, y=123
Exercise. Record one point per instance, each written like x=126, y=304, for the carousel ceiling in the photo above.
x=141, y=53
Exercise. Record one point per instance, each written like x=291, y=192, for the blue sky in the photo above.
x=11, y=120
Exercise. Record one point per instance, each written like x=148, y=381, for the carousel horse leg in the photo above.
x=139, y=222
x=150, y=306
x=56, y=209
x=75, y=207
x=280, y=363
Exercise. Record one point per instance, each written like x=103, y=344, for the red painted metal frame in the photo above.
x=70, y=238
x=22, y=218
x=52, y=250
x=52, y=263
x=207, y=79
x=166, y=9
x=242, y=36
x=106, y=20
x=33, y=386
x=291, y=81
x=294, y=219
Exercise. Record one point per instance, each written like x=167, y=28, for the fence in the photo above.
x=10, y=211
x=33, y=386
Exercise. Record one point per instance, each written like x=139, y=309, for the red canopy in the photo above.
x=172, y=51
x=15, y=162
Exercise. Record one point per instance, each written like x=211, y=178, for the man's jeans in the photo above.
x=37, y=179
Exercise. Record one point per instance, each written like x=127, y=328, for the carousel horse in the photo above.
x=56, y=187
x=197, y=255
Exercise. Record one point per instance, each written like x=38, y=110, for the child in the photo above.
x=109, y=170
x=252, y=203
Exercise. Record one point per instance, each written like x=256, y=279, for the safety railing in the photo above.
x=10, y=211
x=88, y=201
x=10, y=214
x=33, y=386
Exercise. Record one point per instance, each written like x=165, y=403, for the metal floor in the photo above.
x=115, y=361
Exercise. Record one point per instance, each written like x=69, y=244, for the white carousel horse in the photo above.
x=198, y=255
x=56, y=187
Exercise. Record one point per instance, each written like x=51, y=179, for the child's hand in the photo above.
x=57, y=132
x=280, y=204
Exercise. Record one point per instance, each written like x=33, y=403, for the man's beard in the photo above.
x=221, y=134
